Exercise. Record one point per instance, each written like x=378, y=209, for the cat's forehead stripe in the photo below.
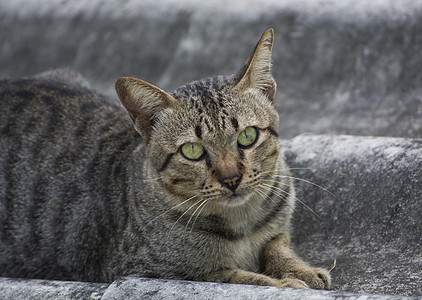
x=235, y=123
x=207, y=103
x=198, y=132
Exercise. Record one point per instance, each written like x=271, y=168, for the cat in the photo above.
x=197, y=190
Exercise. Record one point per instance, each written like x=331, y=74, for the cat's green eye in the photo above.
x=192, y=151
x=247, y=137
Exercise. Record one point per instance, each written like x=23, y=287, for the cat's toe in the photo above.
x=293, y=283
x=316, y=278
x=324, y=276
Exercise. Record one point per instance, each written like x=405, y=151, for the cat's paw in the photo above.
x=315, y=278
x=293, y=283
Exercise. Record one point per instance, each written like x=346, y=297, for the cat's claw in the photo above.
x=315, y=278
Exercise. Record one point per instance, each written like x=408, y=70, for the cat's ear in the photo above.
x=256, y=72
x=143, y=101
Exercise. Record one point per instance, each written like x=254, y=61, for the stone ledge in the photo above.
x=13, y=288
x=127, y=288
x=147, y=288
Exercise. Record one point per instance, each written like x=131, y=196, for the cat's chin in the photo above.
x=235, y=200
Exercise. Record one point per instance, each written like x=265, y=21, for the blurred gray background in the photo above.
x=349, y=67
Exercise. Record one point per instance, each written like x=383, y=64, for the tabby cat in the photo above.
x=198, y=191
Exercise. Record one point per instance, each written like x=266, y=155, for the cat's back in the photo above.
x=62, y=146
x=51, y=104
x=53, y=123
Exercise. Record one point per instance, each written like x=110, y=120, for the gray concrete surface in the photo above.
x=342, y=67
x=147, y=288
x=14, y=289
x=172, y=289
x=365, y=212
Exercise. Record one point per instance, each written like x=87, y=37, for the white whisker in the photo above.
x=199, y=213
x=181, y=216
x=307, y=181
x=174, y=207
x=295, y=178
x=200, y=205
x=262, y=193
x=286, y=169
x=270, y=190
x=280, y=192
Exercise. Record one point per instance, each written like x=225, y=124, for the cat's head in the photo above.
x=214, y=138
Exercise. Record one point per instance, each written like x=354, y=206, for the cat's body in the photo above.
x=63, y=158
x=203, y=194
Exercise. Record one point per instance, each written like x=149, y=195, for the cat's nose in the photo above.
x=231, y=182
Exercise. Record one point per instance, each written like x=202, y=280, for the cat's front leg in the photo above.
x=245, y=277
x=280, y=261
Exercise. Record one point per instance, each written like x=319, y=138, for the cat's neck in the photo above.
x=256, y=215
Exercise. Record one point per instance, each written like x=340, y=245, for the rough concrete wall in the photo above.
x=347, y=67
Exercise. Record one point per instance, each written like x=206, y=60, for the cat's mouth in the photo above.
x=234, y=195
x=235, y=199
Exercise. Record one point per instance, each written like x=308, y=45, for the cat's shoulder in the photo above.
x=58, y=79
x=59, y=85
x=59, y=92
x=64, y=76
